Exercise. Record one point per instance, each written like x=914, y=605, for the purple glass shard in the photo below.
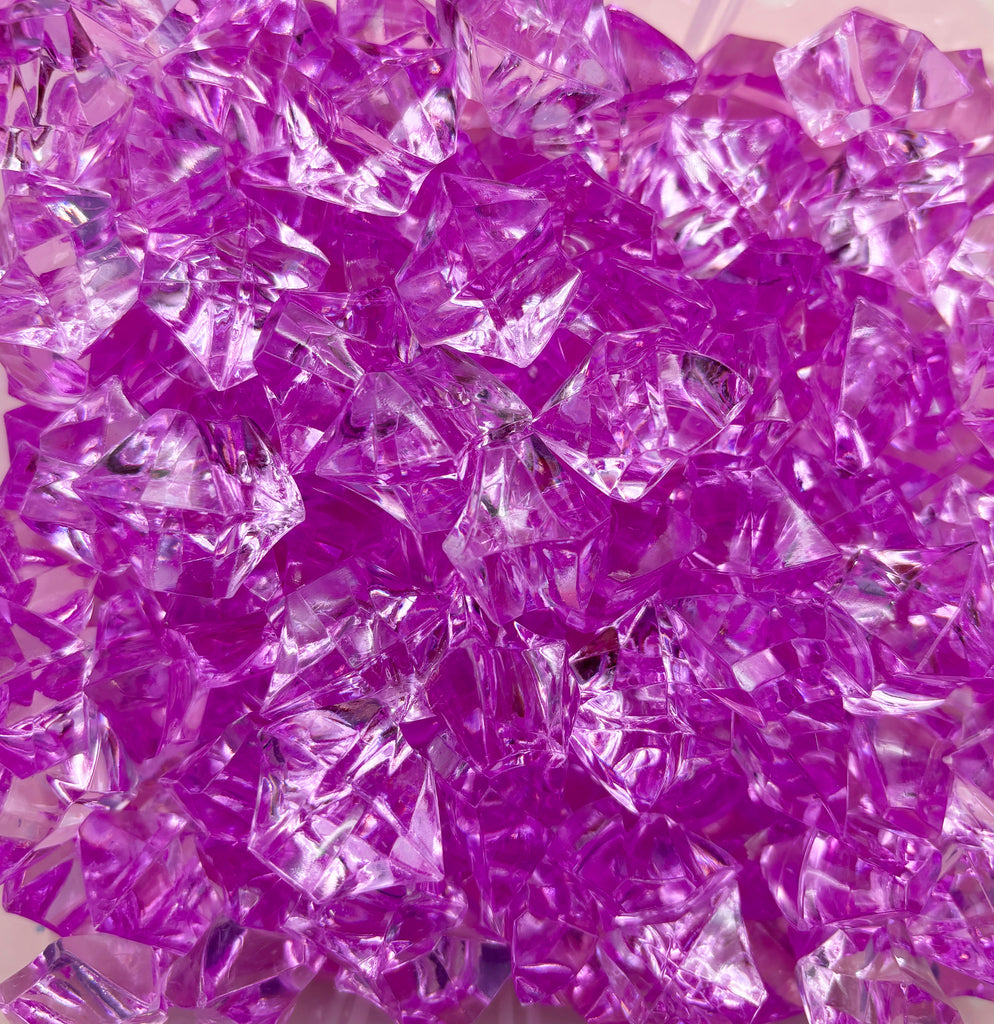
x=524, y=538
x=631, y=412
x=67, y=273
x=589, y=214
x=346, y=807
x=454, y=981
x=487, y=275
x=649, y=61
x=403, y=436
x=87, y=979
x=198, y=506
x=242, y=974
x=524, y=697
x=846, y=976
x=312, y=352
x=634, y=653
x=543, y=80
x=143, y=877
x=213, y=279
x=860, y=72
x=346, y=122
x=396, y=23
x=771, y=531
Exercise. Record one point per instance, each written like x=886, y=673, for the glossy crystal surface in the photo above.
x=499, y=509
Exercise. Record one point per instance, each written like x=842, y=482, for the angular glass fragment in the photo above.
x=536, y=67
x=860, y=72
x=197, y=506
x=88, y=979
x=639, y=404
x=403, y=436
x=488, y=275
x=525, y=538
x=212, y=278
x=67, y=270
x=346, y=807
x=313, y=350
x=348, y=121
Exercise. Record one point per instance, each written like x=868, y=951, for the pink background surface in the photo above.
x=956, y=24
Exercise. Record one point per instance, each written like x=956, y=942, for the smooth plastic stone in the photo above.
x=590, y=214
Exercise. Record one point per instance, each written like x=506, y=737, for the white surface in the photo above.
x=956, y=25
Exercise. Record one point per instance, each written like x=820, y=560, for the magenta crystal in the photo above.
x=861, y=72
x=495, y=504
x=488, y=275
x=536, y=68
x=194, y=506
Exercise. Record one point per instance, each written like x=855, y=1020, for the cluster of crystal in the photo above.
x=494, y=504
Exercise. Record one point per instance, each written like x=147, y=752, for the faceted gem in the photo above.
x=535, y=67
x=198, y=506
x=347, y=807
x=637, y=406
x=358, y=125
x=403, y=436
x=860, y=72
x=214, y=285
x=312, y=352
x=66, y=272
x=487, y=275
x=524, y=537
x=87, y=979
x=241, y=973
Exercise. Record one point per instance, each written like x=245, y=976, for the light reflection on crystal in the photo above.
x=498, y=508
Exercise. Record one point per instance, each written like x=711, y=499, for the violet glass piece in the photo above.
x=537, y=68
x=68, y=270
x=498, y=509
x=403, y=436
x=348, y=121
x=633, y=411
x=860, y=72
x=196, y=506
x=487, y=275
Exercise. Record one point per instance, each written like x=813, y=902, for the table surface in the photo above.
x=960, y=24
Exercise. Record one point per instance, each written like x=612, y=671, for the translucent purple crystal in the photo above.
x=496, y=506
x=194, y=506
x=488, y=275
